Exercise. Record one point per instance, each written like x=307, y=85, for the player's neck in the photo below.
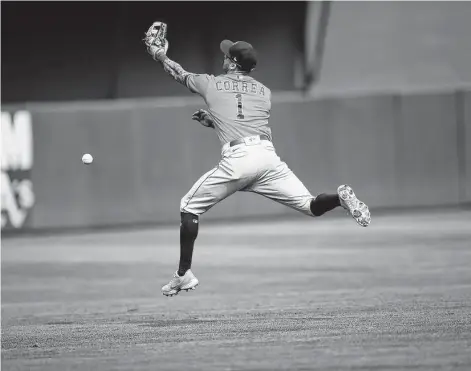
x=236, y=72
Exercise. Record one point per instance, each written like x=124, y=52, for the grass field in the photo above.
x=299, y=294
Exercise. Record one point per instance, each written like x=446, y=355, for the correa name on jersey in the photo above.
x=241, y=87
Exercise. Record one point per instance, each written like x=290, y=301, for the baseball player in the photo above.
x=238, y=110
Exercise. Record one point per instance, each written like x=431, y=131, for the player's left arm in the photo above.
x=171, y=67
x=196, y=83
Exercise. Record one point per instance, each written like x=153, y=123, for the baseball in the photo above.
x=87, y=158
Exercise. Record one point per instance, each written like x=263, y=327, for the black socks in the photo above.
x=323, y=203
x=188, y=234
x=189, y=227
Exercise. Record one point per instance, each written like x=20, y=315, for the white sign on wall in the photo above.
x=17, y=162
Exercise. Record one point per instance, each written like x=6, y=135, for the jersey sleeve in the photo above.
x=198, y=83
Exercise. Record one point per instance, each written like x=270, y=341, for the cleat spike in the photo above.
x=354, y=207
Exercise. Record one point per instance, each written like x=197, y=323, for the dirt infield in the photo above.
x=301, y=294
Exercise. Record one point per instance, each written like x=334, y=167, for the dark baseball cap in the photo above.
x=241, y=52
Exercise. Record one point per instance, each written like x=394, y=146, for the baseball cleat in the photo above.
x=356, y=208
x=177, y=284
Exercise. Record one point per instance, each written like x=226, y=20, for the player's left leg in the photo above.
x=213, y=187
x=183, y=278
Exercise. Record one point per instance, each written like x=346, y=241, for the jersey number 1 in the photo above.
x=240, y=114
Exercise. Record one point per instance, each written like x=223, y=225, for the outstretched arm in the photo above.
x=197, y=83
x=171, y=67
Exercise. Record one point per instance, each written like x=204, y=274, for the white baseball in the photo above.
x=87, y=158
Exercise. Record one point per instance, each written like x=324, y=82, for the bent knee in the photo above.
x=191, y=205
x=183, y=204
x=304, y=206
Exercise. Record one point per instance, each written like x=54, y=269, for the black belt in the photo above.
x=240, y=141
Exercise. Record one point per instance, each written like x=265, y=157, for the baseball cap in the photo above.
x=241, y=52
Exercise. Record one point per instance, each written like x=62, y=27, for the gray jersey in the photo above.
x=239, y=104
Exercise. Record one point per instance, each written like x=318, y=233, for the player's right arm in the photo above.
x=204, y=118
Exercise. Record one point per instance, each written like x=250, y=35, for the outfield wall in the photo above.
x=395, y=150
x=374, y=46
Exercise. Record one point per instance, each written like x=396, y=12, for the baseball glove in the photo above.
x=204, y=118
x=156, y=38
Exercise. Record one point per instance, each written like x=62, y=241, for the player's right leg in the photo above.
x=282, y=185
x=346, y=198
x=356, y=208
